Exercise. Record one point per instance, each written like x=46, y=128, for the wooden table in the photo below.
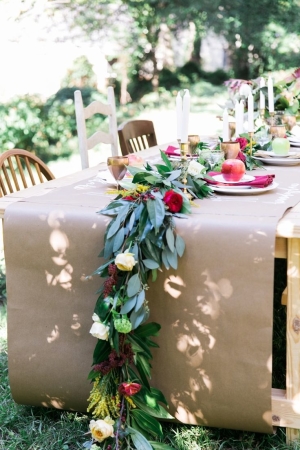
x=285, y=404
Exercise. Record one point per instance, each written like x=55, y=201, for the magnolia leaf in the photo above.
x=157, y=411
x=180, y=245
x=166, y=160
x=134, y=425
x=172, y=258
x=134, y=285
x=139, y=441
x=170, y=239
x=140, y=344
x=158, y=395
x=129, y=305
x=147, y=422
x=150, y=264
x=160, y=446
x=101, y=351
x=114, y=227
x=156, y=211
x=140, y=300
x=118, y=240
x=137, y=317
x=147, y=330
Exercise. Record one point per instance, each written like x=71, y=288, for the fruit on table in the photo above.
x=233, y=169
x=135, y=160
x=281, y=146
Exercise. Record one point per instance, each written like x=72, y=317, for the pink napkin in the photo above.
x=260, y=181
x=174, y=151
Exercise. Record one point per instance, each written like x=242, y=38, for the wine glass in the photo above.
x=117, y=167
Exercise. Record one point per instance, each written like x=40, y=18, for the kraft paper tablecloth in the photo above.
x=214, y=362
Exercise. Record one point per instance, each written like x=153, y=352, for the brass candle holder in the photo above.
x=194, y=140
x=230, y=149
x=251, y=142
x=272, y=118
x=184, y=151
x=262, y=114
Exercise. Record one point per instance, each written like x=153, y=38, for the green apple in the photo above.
x=281, y=146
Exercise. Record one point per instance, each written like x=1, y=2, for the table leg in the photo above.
x=293, y=332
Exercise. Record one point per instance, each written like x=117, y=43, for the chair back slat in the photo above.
x=100, y=137
x=20, y=169
x=136, y=135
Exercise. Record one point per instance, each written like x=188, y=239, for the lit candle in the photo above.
x=250, y=113
x=270, y=95
x=185, y=116
x=225, y=135
x=262, y=98
x=179, y=115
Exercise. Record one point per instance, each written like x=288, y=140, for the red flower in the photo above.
x=173, y=200
x=243, y=142
x=241, y=156
x=129, y=198
x=129, y=388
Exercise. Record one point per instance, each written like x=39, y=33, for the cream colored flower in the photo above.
x=99, y=330
x=245, y=90
x=125, y=261
x=102, y=429
x=195, y=168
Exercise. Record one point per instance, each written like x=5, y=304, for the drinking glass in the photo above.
x=117, y=167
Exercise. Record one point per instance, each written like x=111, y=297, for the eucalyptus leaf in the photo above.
x=137, y=317
x=135, y=251
x=140, y=300
x=180, y=245
x=131, y=221
x=172, y=258
x=138, y=211
x=150, y=264
x=166, y=160
x=165, y=259
x=129, y=305
x=174, y=174
x=170, y=239
x=118, y=240
x=156, y=211
x=114, y=227
x=134, y=285
x=149, y=329
x=108, y=248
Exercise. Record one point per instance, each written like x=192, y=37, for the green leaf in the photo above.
x=165, y=259
x=114, y=228
x=129, y=305
x=157, y=411
x=147, y=422
x=141, y=345
x=143, y=368
x=156, y=211
x=170, y=239
x=180, y=245
x=101, y=352
x=172, y=258
x=174, y=174
x=160, y=446
x=139, y=440
x=154, y=275
x=162, y=169
x=147, y=330
x=93, y=374
x=150, y=264
x=131, y=221
x=159, y=396
x=134, y=285
x=166, y=160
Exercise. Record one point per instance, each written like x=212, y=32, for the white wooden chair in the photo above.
x=84, y=113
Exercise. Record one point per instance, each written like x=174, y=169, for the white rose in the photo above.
x=102, y=429
x=245, y=90
x=125, y=261
x=195, y=168
x=100, y=331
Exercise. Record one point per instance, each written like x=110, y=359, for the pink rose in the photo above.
x=173, y=200
x=243, y=142
x=241, y=156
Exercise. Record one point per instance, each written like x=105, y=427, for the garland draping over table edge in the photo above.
x=139, y=240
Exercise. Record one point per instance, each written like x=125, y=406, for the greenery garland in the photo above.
x=140, y=239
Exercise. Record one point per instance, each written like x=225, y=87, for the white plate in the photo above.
x=281, y=156
x=221, y=179
x=243, y=190
x=105, y=177
x=279, y=161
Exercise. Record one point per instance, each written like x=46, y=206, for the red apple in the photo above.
x=233, y=169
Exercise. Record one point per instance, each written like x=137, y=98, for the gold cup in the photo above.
x=230, y=149
x=194, y=140
x=289, y=121
x=278, y=131
x=117, y=166
x=231, y=129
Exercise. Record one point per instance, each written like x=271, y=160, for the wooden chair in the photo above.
x=136, y=135
x=84, y=113
x=20, y=169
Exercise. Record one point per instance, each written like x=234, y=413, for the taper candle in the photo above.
x=185, y=116
x=179, y=115
x=270, y=95
x=225, y=135
x=250, y=113
x=262, y=98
